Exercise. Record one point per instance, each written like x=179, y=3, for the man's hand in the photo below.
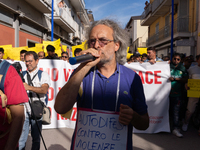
x=95, y=53
x=26, y=86
x=171, y=79
x=152, y=62
x=125, y=114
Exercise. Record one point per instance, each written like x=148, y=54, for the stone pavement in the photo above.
x=59, y=139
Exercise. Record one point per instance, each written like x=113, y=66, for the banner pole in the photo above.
x=52, y=21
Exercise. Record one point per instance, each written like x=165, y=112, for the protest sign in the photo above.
x=194, y=85
x=99, y=130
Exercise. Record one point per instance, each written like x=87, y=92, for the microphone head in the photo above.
x=72, y=60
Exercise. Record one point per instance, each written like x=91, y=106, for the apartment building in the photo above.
x=26, y=22
x=157, y=15
x=138, y=34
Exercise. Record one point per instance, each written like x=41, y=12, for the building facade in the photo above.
x=26, y=22
x=138, y=34
x=157, y=15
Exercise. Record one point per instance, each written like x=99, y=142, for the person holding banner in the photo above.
x=194, y=73
x=178, y=77
x=51, y=52
x=107, y=93
x=22, y=53
x=151, y=56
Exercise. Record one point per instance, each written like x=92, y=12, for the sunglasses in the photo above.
x=177, y=59
x=65, y=56
x=102, y=42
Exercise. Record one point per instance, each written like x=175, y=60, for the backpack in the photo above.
x=39, y=76
x=4, y=65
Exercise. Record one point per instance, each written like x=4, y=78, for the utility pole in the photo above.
x=52, y=21
x=198, y=30
x=172, y=30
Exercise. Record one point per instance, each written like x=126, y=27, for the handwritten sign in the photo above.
x=99, y=130
x=194, y=90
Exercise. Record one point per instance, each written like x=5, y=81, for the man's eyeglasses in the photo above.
x=177, y=59
x=29, y=61
x=64, y=56
x=102, y=42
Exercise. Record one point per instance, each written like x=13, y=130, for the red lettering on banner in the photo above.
x=146, y=77
x=51, y=94
x=141, y=76
x=54, y=76
x=59, y=88
x=74, y=114
x=41, y=69
x=156, y=77
x=67, y=73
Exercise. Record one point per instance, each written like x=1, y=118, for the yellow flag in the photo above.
x=142, y=50
x=83, y=46
x=56, y=44
x=15, y=52
x=128, y=54
x=6, y=48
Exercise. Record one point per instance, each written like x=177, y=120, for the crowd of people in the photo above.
x=124, y=94
x=182, y=68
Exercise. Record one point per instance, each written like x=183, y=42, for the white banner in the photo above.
x=156, y=89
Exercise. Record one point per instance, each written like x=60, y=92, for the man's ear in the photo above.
x=117, y=46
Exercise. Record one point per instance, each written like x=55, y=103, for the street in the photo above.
x=59, y=139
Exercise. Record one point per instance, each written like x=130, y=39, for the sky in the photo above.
x=121, y=10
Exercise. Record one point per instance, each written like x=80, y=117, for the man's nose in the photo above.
x=96, y=45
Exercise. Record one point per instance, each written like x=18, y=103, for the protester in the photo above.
x=65, y=56
x=137, y=57
x=77, y=51
x=108, y=43
x=178, y=78
x=13, y=95
x=151, y=55
x=41, y=55
x=131, y=59
x=51, y=52
x=194, y=73
x=22, y=53
x=35, y=92
x=1, y=53
x=187, y=62
x=144, y=57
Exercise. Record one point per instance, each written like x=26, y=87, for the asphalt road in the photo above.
x=60, y=139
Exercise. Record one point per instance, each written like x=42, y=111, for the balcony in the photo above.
x=65, y=21
x=182, y=28
x=79, y=6
x=158, y=9
x=43, y=6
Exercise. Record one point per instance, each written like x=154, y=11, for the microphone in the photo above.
x=81, y=59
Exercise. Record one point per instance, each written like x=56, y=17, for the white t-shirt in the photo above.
x=194, y=72
x=45, y=78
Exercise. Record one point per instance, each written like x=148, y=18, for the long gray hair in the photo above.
x=119, y=35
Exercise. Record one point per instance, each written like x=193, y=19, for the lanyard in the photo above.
x=117, y=93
